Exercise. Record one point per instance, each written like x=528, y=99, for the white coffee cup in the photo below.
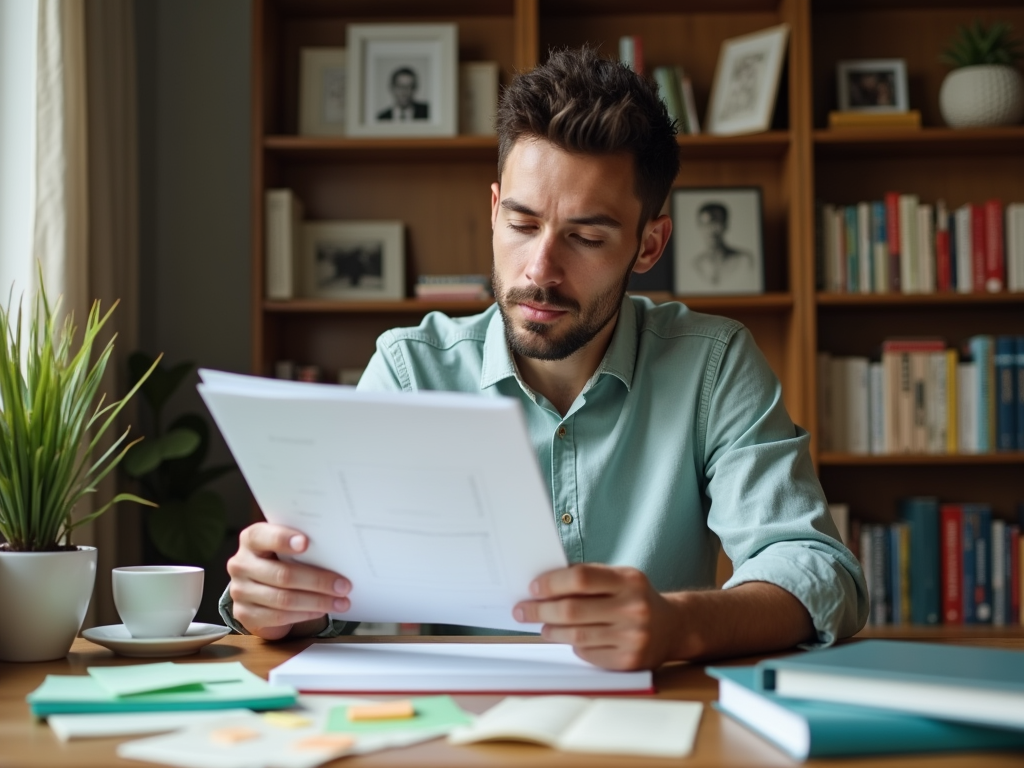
x=157, y=600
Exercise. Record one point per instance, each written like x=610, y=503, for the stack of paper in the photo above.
x=158, y=687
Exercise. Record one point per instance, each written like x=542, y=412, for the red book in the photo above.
x=995, y=259
x=978, y=249
x=943, y=267
x=951, y=548
x=892, y=232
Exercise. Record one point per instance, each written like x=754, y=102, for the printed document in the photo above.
x=430, y=503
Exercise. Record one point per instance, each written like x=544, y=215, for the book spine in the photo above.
x=968, y=568
x=280, y=232
x=978, y=248
x=892, y=231
x=852, y=249
x=865, y=280
x=1019, y=373
x=943, y=263
x=879, y=248
x=951, y=535
x=995, y=259
x=867, y=564
x=1005, y=366
x=998, y=573
x=922, y=518
x=908, y=244
x=981, y=352
x=982, y=564
x=876, y=403
x=857, y=421
x=936, y=398
x=919, y=364
x=926, y=248
x=967, y=407
x=881, y=607
x=952, y=393
x=953, y=255
x=895, y=573
x=839, y=248
x=1014, y=573
x=964, y=250
x=689, y=103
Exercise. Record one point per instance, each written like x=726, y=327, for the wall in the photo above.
x=194, y=96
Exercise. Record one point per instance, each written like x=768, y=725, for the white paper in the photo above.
x=91, y=725
x=431, y=504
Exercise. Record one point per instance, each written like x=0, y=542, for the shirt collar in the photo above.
x=619, y=359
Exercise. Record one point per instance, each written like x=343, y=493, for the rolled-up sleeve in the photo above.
x=767, y=506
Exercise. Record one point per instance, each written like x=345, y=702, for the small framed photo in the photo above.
x=872, y=85
x=747, y=82
x=322, y=92
x=402, y=80
x=354, y=260
x=717, y=241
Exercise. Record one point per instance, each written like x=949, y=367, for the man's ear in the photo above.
x=495, y=199
x=652, y=243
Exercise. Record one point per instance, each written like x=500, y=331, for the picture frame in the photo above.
x=718, y=241
x=322, y=88
x=353, y=260
x=402, y=80
x=872, y=85
x=747, y=82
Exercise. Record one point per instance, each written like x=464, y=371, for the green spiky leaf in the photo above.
x=976, y=44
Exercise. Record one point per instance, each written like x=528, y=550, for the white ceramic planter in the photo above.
x=43, y=600
x=983, y=96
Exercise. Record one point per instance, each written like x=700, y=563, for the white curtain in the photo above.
x=85, y=232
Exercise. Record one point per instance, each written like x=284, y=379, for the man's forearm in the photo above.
x=756, y=617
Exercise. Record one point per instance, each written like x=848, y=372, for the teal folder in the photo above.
x=806, y=729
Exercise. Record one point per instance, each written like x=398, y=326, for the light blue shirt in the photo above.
x=679, y=443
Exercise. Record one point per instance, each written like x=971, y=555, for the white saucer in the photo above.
x=117, y=638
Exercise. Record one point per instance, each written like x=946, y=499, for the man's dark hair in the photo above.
x=405, y=71
x=583, y=103
x=716, y=211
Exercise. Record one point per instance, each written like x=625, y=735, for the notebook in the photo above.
x=806, y=729
x=451, y=668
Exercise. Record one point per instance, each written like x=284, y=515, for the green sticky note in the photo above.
x=164, y=676
x=432, y=712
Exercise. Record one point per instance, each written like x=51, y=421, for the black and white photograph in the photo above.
x=354, y=260
x=323, y=83
x=717, y=241
x=747, y=82
x=872, y=85
x=402, y=80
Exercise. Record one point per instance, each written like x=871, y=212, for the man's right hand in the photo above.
x=272, y=597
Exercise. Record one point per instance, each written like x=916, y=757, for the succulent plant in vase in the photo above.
x=52, y=422
x=985, y=88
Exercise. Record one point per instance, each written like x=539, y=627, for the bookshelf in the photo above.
x=439, y=187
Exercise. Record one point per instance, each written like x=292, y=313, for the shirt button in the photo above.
x=566, y=518
x=561, y=432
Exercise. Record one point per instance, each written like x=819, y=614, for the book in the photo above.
x=909, y=259
x=631, y=52
x=1019, y=369
x=921, y=515
x=876, y=403
x=478, y=97
x=926, y=248
x=650, y=728
x=964, y=250
x=476, y=668
x=865, y=257
x=1014, y=246
x=669, y=91
x=944, y=279
x=852, y=249
x=979, y=247
x=950, y=539
x=899, y=570
x=977, y=548
x=805, y=729
x=841, y=517
x=892, y=230
x=689, y=103
x=995, y=258
x=283, y=233
x=967, y=407
x=856, y=391
x=964, y=684
x=981, y=349
x=999, y=579
x=952, y=395
x=879, y=247
x=842, y=119
x=1005, y=369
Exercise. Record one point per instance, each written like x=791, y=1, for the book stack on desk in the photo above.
x=880, y=697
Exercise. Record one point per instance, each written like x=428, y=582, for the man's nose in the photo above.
x=544, y=267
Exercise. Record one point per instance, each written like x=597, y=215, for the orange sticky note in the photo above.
x=230, y=736
x=386, y=710
x=325, y=742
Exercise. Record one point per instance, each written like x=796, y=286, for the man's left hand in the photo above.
x=611, y=616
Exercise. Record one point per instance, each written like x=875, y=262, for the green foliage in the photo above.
x=975, y=44
x=190, y=524
x=52, y=418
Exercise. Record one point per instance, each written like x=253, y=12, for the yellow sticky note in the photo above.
x=286, y=720
x=325, y=742
x=229, y=736
x=386, y=710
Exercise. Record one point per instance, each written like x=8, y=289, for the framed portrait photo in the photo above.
x=872, y=85
x=353, y=260
x=747, y=82
x=402, y=80
x=718, y=247
x=322, y=92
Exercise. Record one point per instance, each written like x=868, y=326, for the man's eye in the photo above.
x=586, y=243
x=521, y=227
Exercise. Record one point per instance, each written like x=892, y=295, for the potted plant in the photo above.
x=985, y=88
x=52, y=421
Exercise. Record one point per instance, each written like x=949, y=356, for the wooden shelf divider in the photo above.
x=871, y=300
x=913, y=459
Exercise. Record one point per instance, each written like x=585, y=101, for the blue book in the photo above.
x=881, y=577
x=960, y=683
x=981, y=349
x=1020, y=392
x=1006, y=393
x=968, y=540
x=978, y=524
x=895, y=575
x=879, y=246
x=922, y=515
x=806, y=729
x=852, y=250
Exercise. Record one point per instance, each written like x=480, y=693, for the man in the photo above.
x=719, y=261
x=403, y=89
x=660, y=431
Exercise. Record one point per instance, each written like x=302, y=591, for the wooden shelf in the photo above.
x=908, y=459
x=924, y=141
x=911, y=300
x=603, y=7
x=941, y=632
x=765, y=302
x=383, y=9
x=704, y=147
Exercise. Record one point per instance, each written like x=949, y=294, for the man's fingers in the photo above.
x=288, y=575
x=585, y=579
x=287, y=601
x=255, y=617
x=265, y=539
x=569, y=611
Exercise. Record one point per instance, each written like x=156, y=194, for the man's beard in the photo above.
x=538, y=340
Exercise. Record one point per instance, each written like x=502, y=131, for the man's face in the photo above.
x=712, y=227
x=403, y=87
x=565, y=240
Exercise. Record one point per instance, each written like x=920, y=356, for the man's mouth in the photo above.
x=540, y=313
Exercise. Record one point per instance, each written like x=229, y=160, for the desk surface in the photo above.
x=720, y=741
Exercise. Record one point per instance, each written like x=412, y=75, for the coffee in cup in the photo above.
x=157, y=600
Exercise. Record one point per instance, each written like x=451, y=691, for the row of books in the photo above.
x=901, y=244
x=292, y=371
x=923, y=397
x=942, y=564
x=453, y=287
x=674, y=84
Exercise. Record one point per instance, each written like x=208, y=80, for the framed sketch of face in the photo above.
x=717, y=241
x=746, y=82
x=323, y=82
x=872, y=85
x=353, y=260
x=402, y=80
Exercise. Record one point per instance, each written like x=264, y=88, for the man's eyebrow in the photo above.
x=597, y=220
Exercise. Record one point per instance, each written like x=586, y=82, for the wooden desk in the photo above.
x=720, y=741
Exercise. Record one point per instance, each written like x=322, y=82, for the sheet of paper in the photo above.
x=90, y=726
x=432, y=712
x=431, y=503
x=540, y=719
x=163, y=676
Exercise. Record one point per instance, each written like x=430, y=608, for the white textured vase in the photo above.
x=43, y=600
x=982, y=96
